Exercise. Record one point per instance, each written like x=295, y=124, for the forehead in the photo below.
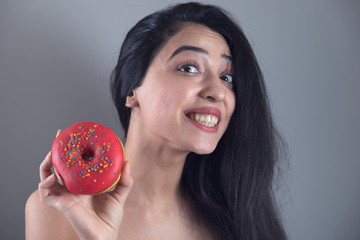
x=197, y=35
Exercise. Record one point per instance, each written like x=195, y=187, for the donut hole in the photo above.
x=87, y=155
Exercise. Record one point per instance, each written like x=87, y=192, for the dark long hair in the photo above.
x=231, y=189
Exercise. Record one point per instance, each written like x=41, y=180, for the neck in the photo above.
x=156, y=168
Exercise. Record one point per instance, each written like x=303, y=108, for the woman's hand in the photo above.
x=92, y=217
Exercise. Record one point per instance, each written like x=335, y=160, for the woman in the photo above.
x=200, y=140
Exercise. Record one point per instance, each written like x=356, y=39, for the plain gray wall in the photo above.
x=55, y=62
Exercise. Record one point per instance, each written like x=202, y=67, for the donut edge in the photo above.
x=112, y=186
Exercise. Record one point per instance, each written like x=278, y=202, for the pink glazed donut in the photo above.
x=88, y=157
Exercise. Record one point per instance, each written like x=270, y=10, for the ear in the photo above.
x=131, y=100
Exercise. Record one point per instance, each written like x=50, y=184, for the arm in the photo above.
x=43, y=222
x=53, y=212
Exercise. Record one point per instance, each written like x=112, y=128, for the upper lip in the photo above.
x=205, y=110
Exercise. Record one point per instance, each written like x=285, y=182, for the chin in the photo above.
x=205, y=148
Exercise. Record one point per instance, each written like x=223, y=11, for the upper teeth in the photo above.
x=205, y=119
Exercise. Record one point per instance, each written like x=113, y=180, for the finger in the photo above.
x=61, y=181
x=124, y=186
x=58, y=132
x=47, y=189
x=57, y=175
x=48, y=182
x=126, y=179
x=51, y=193
x=45, y=167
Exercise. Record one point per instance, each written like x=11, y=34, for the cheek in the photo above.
x=172, y=93
x=231, y=102
x=161, y=103
x=230, y=107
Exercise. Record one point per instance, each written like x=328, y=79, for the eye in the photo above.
x=227, y=78
x=188, y=68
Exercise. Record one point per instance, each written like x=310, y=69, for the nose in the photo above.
x=213, y=89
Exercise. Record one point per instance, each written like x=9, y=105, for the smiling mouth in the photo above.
x=207, y=120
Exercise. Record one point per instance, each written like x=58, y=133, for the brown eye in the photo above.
x=227, y=78
x=188, y=69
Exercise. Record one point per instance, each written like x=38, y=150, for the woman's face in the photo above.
x=186, y=98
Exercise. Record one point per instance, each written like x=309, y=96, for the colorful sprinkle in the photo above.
x=74, y=149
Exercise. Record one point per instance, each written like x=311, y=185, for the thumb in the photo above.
x=124, y=186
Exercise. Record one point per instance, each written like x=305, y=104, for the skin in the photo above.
x=147, y=204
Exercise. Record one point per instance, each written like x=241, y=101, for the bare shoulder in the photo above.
x=43, y=222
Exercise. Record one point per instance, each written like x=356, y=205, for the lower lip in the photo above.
x=202, y=127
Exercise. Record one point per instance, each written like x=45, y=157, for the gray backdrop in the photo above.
x=55, y=61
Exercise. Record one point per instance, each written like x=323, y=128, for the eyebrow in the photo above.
x=196, y=49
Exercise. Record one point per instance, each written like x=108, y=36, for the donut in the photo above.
x=87, y=157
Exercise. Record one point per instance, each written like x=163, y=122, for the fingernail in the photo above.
x=58, y=132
